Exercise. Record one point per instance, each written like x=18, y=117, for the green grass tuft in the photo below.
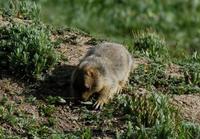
x=22, y=9
x=27, y=49
x=149, y=115
x=150, y=44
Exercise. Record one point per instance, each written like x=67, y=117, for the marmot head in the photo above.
x=87, y=81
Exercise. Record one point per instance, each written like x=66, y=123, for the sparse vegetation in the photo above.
x=149, y=116
x=177, y=20
x=151, y=45
x=154, y=75
x=145, y=109
x=24, y=10
x=26, y=48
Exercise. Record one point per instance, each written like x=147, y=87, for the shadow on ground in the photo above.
x=57, y=84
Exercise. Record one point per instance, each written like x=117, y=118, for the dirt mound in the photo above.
x=69, y=117
x=189, y=106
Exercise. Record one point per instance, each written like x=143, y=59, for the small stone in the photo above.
x=86, y=102
x=61, y=100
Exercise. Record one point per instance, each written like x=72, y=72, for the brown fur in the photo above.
x=104, y=70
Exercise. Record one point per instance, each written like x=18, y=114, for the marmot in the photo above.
x=104, y=70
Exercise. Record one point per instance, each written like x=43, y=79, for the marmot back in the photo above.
x=104, y=70
x=117, y=59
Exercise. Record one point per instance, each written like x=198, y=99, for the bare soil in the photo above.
x=189, y=106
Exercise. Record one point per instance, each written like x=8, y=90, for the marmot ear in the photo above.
x=91, y=72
